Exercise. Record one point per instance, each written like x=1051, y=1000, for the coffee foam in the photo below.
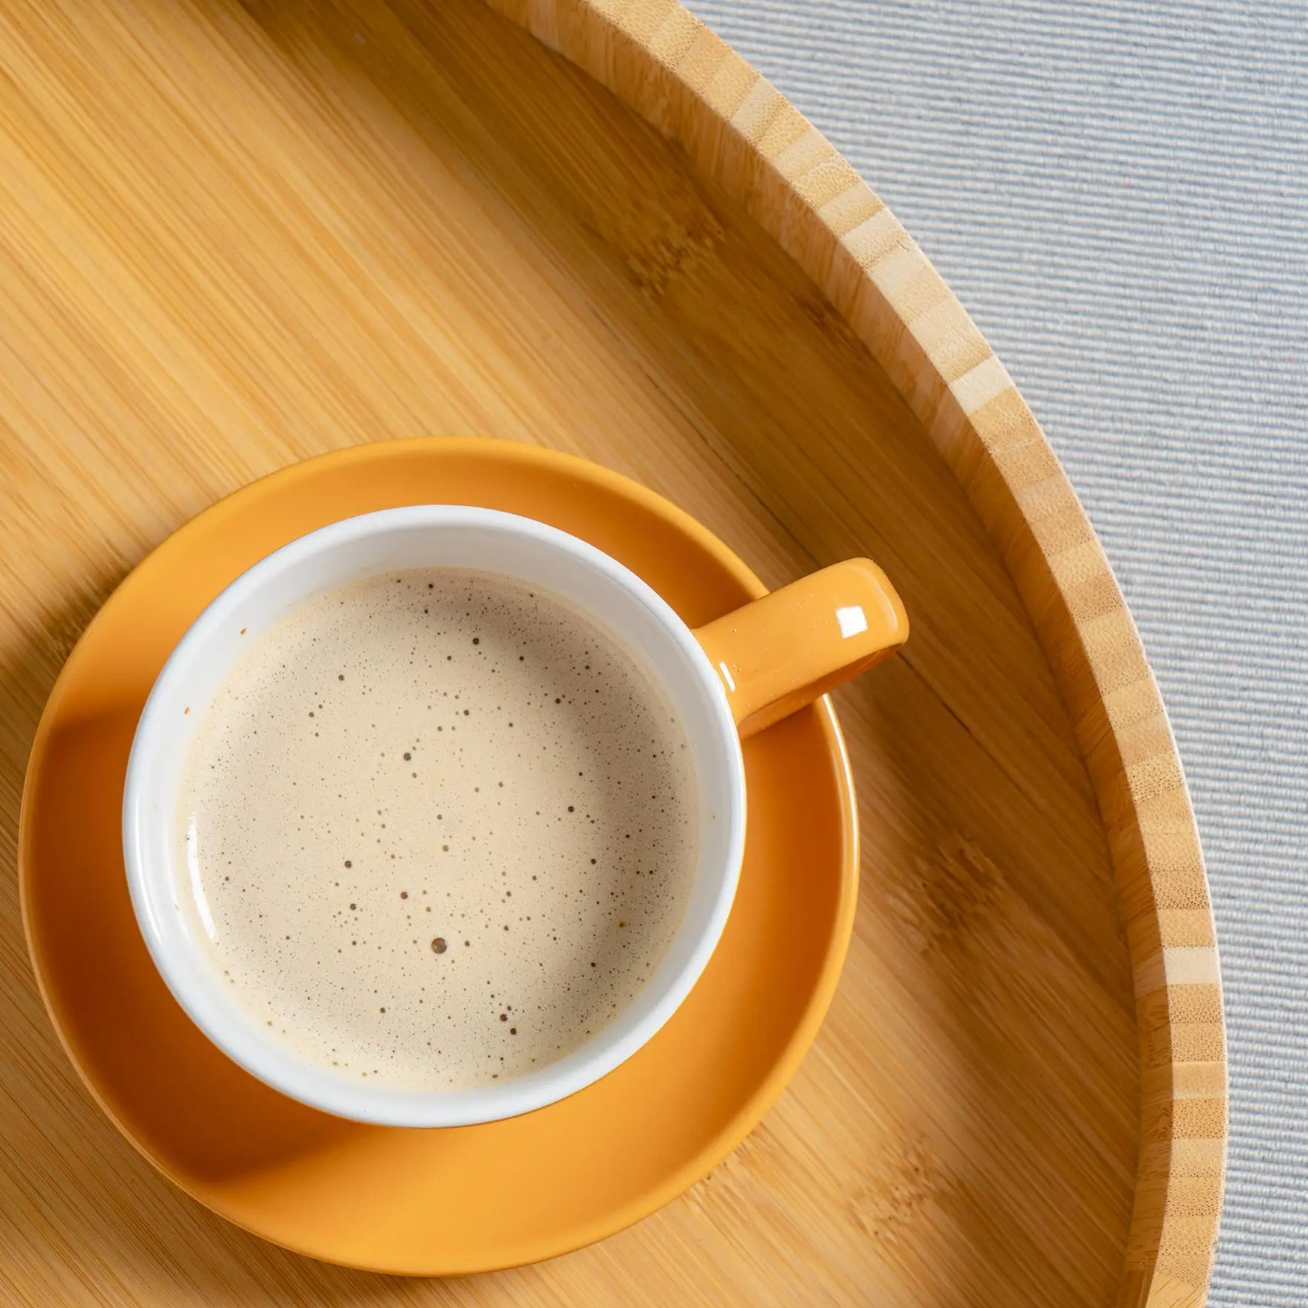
x=441, y=829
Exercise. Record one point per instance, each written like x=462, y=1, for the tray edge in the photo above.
x=741, y=132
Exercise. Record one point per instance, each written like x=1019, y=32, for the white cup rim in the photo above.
x=149, y=843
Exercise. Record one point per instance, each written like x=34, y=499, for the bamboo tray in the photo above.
x=233, y=236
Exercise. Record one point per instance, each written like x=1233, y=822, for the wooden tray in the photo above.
x=233, y=237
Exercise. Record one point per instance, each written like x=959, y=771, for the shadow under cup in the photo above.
x=350, y=550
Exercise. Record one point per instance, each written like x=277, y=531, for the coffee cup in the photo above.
x=724, y=681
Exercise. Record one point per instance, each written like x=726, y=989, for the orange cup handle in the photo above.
x=781, y=652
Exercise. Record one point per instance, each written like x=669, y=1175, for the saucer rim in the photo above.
x=769, y=1088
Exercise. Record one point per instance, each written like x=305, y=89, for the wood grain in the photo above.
x=232, y=236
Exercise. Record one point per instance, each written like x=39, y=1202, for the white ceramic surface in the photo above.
x=424, y=536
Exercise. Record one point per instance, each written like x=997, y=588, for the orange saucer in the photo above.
x=441, y=1201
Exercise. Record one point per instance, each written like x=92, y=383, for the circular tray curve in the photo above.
x=749, y=139
x=239, y=236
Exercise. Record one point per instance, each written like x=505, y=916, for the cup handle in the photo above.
x=782, y=651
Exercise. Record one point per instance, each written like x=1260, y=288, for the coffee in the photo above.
x=439, y=829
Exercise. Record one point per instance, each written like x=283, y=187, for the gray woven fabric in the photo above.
x=1118, y=193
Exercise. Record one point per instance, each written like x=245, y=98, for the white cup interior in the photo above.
x=426, y=536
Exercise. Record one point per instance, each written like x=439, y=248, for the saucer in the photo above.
x=459, y=1200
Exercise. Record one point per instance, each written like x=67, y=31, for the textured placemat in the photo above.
x=1119, y=195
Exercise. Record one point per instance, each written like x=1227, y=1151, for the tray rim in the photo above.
x=742, y=133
